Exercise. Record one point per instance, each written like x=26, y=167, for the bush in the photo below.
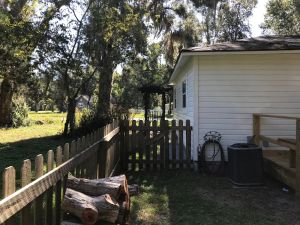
x=19, y=113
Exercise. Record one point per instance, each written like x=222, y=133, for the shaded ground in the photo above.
x=188, y=198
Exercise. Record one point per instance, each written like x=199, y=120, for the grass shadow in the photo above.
x=188, y=198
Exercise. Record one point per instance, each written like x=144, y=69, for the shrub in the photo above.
x=19, y=113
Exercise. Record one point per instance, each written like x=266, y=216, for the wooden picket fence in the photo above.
x=153, y=145
x=38, y=202
x=99, y=154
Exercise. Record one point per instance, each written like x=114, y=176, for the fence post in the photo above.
x=26, y=179
x=154, y=145
x=126, y=144
x=141, y=144
x=188, y=142
x=50, y=163
x=133, y=145
x=162, y=145
x=39, y=208
x=58, y=187
x=148, y=148
x=180, y=142
x=9, y=186
x=256, y=128
x=173, y=140
x=166, y=144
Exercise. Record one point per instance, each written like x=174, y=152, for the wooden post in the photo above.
x=39, y=208
x=141, y=144
x=154, y=145
x=163, y=115
x=256, y=129
x=133, y=145
x=173, y=140
x=126, y=144
x=166, y=144
x=58, y=187
x=9, y=181
x=50, y=164
x=297, y=191
x=162, y=145
x=148, y=147
x=180, y=142
x=9, y=187
x=188, y=142
x=26, y=179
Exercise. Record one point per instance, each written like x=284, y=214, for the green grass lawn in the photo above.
x=188, y=198
x=17, y=144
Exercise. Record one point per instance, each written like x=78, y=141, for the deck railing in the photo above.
x=292, y=144
x=38, y=202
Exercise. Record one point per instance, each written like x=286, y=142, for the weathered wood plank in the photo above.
x=133, y=145
x=147, y=147
x=9, y=181
x=25, y=180
x=180, y=142
x=39, y=206
x=58, y=188
x=141, y=146
x=154, y=146
x=188, y=143
x=126, y=143
x=166, y=144
x=162, y=146
x=173, y=143
x=49, y=205
x=18, y=200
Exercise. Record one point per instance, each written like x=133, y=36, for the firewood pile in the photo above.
x=100, y=201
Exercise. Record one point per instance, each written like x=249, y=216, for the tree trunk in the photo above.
x=70, y=121
x=105, y=86
x=6, y=95
x=95, y=187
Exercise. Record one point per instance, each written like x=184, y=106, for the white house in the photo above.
x=219, y=87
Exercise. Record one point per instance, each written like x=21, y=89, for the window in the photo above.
x=174, y=97
x=183, y=94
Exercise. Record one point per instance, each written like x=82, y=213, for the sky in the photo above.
x=258, y=17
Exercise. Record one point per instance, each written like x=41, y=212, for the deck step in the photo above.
x=276, y=163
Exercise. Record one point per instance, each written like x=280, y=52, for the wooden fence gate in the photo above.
x=155, y=145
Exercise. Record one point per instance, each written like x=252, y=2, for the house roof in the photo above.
x=263, y=43
x=248, y=45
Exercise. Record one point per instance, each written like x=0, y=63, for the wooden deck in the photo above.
x=276, y=163
x=283, y=165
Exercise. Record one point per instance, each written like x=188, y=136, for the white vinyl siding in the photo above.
x=233, y=87
x=185, y=113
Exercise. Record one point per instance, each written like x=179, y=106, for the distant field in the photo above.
x=17, y=144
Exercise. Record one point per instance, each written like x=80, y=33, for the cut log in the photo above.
x=95, y=187
x=81, y=206
x=108, y=208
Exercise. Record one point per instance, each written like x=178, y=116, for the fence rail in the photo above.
x=153, y=145
x=38, y=202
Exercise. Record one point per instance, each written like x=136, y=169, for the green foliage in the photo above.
x=232, y=19
x=282, y=17
x=20, y=113
x=145, y=69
